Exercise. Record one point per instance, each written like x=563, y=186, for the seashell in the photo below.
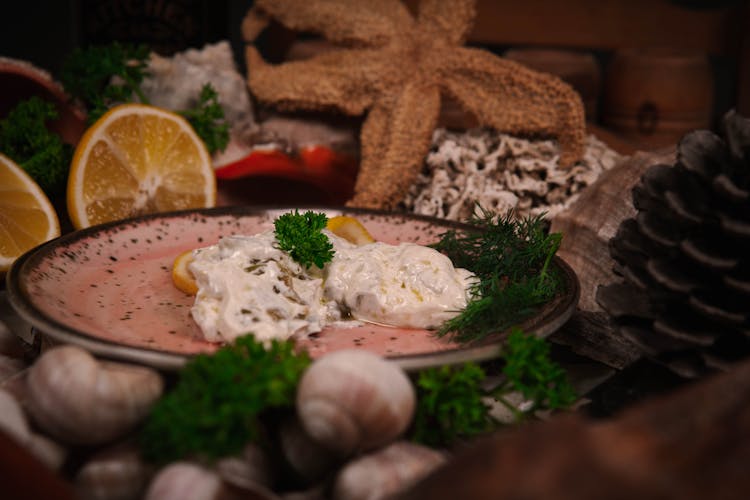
x=49, y=452
x=12, y=419
x=115, y=473
x=589, y=224
x=81, y=400
x=307, y=458
x=10, y=367
x=189, y=481
x=252, y=470
x=354, y=400
x=386, y=472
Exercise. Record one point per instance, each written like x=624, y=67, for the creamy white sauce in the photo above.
x=247, y=285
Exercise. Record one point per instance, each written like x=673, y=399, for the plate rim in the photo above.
x=555, y=314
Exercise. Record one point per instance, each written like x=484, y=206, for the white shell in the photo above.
x=354, y=400
x=186, y=481
x=116, y=473
x=251, y=470
x=80, y=400
x=386, y=471
x=307, y=457
x=12, y=419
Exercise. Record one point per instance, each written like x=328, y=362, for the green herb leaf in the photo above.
x=25, y=139
x=511, y=259
x=220, y=401
x=530, y=371
x=450, y=405
x=300, y=235
x=106, y=75
x=207, y=119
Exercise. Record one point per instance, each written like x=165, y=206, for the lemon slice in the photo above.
x=138, y=159
x=349, y=228
x=27, y=218
x=182, y=278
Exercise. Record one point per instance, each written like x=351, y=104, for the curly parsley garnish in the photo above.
x=220, y=400
x=25, y=139
x=453, y=402
x=511, y=259
x=207, y=119
x=300, y=235
x=102, y=76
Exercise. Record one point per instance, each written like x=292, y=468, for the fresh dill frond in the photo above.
x=101, y=76
x=25, y=138
x=300, y=236
x=207, y=119
x=219, y=402
x=511, y=259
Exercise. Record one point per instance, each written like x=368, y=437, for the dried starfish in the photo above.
x=394, y=68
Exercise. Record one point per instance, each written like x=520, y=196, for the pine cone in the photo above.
x=685, y=257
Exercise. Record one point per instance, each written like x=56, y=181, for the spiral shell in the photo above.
x=354, y=400
x=386, y=472
x=115, y=473
x=80, y=400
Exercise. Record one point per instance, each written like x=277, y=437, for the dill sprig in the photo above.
x=300, y=236
x=220, y=400
x=511, y=258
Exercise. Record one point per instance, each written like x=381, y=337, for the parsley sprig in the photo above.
x=207, y=119
x=102, y=76
x=300, y=235
x=453, y=402
x=511, y=258
x=25, y=139
x=220, y=401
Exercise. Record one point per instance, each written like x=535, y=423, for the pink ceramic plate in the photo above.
x=108, y=289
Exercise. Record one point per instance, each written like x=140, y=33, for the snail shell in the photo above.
x=589, y=224
x=189, y=481
x=386, y=472
x=115, y=473
x=251, y=470
x=307, y=458
x=80, y=400
x=13, y=422
x=354, y=400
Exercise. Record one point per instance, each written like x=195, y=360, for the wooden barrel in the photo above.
x=655, y=96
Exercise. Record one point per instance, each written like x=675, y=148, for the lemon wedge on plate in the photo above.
x=27, y=218
x=349, y=228
x=138, y=159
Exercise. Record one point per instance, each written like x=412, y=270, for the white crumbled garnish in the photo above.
x=501, y=172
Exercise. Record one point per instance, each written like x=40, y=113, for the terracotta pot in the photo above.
x=655, y=96
x=20, y=80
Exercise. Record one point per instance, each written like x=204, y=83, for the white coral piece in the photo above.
x=501, y=172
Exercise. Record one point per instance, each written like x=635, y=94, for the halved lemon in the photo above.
x=27, y=218
x=138, y=159
x=349, y=228
x=182, y=278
